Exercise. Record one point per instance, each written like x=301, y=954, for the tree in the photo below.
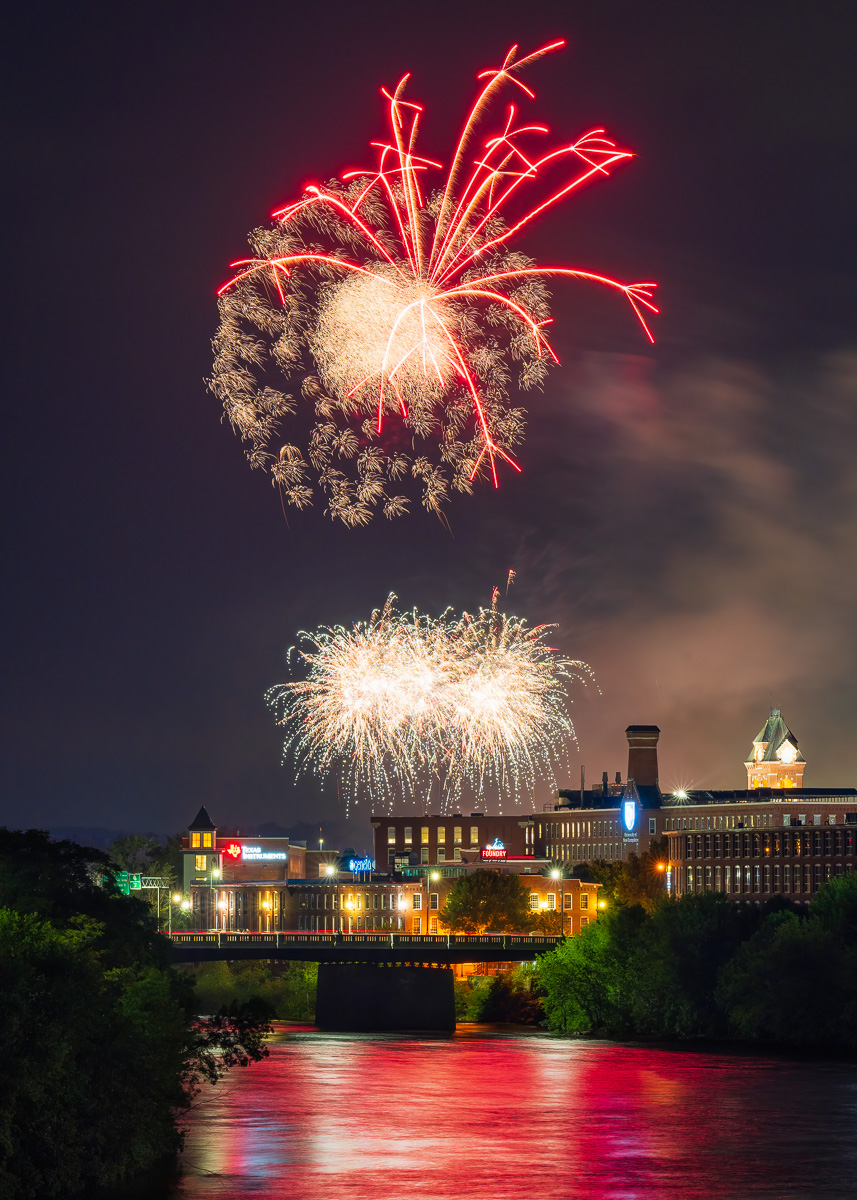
x=487, y=900
x=100, y=1046
x=635, y=880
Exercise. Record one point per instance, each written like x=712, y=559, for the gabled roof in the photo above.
x=772, y=734
x=202, y=821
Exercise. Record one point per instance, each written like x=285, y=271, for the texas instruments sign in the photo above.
x=248, y=853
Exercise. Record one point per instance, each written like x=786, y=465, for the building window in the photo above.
x=417, y=925
x=474, y=835
x=441, y=854
x=456, y=834
x=568, y=899
x=418, y=901
x=584, y=899
x=441, y=834
x=391, y=835
x=408, y=835
x=375, y=900
x=456, y=854
x=552, y=901
x=424, y=854
x=534, y=901
x=433, y=925
x=584, y=921
x=653, y=829
x=767, y=877
x=424, y=835
x=206, y=840
x=200, y=862
x=433, y=901
x=195, y=841
x=728, y=876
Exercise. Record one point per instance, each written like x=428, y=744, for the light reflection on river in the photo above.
x=496, y=1113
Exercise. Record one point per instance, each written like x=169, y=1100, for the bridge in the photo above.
x=376, y=949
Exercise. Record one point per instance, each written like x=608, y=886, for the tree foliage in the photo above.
x=703, y=966
x=487, y=900
x=100, y=1046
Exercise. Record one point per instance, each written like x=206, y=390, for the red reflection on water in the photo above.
x=488, y=1115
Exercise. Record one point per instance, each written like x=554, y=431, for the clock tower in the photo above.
x=775, y=760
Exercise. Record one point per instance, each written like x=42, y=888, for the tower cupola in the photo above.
x=775, y=760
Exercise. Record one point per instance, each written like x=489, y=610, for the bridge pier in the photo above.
x=355, y=997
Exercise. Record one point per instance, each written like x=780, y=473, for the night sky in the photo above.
x=687, y=513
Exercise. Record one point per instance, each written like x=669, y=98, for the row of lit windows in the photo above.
x=551, y=898
x=440, y=835
x=766, y=878
x=747, y=845
x=607, y=851
x=746, y=820
x=201, y=839
x=362, y=925
x=575, y=829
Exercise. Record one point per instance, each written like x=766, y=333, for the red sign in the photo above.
x=493, y=852
x=233, y=850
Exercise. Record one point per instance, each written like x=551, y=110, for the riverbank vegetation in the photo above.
x=286, y=988
x=705, y=967
x=100, y=1046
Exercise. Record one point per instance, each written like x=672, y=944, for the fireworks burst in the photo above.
x=403, y=702
x=400, y=312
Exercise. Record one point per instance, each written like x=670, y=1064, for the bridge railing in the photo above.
x=449, y=941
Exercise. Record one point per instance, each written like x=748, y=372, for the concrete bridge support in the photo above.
x=359, y=996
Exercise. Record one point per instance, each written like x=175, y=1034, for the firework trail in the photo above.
x=400, y=312
x=403, y=702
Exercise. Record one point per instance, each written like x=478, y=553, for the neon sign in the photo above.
x=495, y=850
x=361, y=864
x=629, y=814
x=256, y=854
x=233, y=850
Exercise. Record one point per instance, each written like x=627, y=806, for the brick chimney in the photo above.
x=643, y=754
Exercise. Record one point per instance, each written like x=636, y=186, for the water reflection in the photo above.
x=488, y=1113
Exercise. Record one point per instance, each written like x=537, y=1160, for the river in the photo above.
x=502, y=1113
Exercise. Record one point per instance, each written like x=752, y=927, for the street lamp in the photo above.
x=214, y=874
x=557, y=874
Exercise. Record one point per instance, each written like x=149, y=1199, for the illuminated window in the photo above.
x=195, y=841
x=552, y=901
x=391, y=835
x=424, y=835
x=408, y=835
x=200, y=862
x=417, y=925
x=434, y=898
x=474, y=835
x=418, y=901
x=456, y=833
x=433, y=925
x=534, y=901
x=206, y=840
x=584, y=900
x=441, y=834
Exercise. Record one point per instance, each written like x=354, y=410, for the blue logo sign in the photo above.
x=496, y=845
x=629, y=814
x=361, y=864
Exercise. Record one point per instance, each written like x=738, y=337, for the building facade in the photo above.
x=243, y=884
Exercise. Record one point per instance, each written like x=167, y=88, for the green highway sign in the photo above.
x=122, y=882
x=134, y=883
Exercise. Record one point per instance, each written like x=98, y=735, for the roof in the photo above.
x=762, y=794
x=202, y=821
x=772, y=735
